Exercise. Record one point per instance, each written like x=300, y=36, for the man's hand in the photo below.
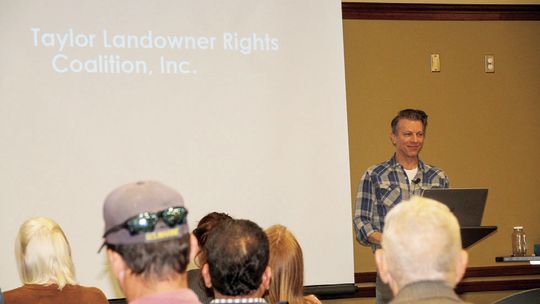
x=375, y=238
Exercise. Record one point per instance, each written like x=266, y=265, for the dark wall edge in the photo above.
x=471, y=286
x=472, y=272
x=442, y=12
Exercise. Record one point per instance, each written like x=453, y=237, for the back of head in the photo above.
x=43, y=253
x=146, y=223
x=205, y=226
x=410, y=114
x=287, y=265
x=421, y=241
x=237, y=256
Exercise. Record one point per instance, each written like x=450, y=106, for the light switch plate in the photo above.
x=435, y=63
x=489, y=63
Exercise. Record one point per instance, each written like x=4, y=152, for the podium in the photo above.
x=472, y=234
x=467, y=204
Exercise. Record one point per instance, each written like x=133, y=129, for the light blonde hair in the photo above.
x=287, y=264
x=421, y=241
x=43, y=253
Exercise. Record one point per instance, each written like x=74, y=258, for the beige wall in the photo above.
x=484, y=129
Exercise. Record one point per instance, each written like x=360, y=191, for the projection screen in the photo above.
x=240, y=105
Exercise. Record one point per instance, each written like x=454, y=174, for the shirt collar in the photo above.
x=238, y=300
x=425, y=289
x=395, y=164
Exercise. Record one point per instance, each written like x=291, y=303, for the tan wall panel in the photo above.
x=484, y=129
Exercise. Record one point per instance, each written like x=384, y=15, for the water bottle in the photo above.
x=519, y=242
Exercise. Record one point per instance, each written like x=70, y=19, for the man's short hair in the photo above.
x=160, y=260
x=410, y=114
x=421, y=241
x=237, y=255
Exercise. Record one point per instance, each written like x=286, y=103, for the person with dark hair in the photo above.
x=201, y=233
x=385, y=185
x=237, y=254
x=148, y=242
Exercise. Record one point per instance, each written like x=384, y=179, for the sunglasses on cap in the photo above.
x=146, y=221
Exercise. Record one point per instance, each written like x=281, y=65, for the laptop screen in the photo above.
x=467, y=204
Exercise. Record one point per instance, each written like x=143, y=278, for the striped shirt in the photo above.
x=385, y=185
x=239, y=301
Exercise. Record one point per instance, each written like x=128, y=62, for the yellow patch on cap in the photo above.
x=165, y=234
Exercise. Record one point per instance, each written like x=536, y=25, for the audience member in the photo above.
x=46, y=269
x=237, y=262
x=195, y=280
x=287, y=264
x=147, y=239
x=421, y=257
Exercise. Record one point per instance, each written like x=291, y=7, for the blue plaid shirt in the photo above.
x=385, y=185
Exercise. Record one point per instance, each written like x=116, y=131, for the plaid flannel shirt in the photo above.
x=385, y=185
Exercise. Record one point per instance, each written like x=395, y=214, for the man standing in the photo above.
x=148, y=241
x=421, y=256
x=385, y=185
x=237, y=262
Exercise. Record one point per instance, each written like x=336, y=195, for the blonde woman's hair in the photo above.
x=287, y=265
x=43, y=253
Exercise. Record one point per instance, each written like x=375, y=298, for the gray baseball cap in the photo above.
x=133, y=199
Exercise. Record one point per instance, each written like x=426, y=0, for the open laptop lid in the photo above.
x=467, y=204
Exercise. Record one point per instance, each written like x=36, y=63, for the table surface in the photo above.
x=517, y=258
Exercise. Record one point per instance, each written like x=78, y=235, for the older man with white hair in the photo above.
x=421, y=257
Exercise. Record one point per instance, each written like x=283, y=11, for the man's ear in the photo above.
x=266, y=278
x=193, y=247
x=393, y=138
x=461, y=265
x=382, y=269
x=381, y=265
x=205, y=271
x=118, y=266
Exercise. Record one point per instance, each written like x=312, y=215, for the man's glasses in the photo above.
x=146, y=221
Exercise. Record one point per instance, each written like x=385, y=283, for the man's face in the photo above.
x=408, y=139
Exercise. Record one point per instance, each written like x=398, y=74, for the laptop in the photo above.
x=467, y=204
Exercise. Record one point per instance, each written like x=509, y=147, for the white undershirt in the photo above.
x=411, y=173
